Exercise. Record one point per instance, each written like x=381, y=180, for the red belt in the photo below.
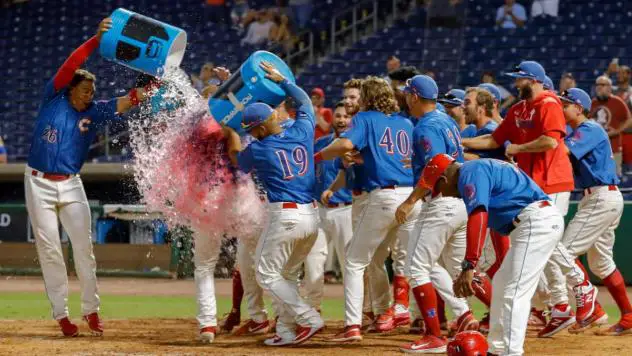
x=340, y=205
x=293, y=205
x=543, y=204
x=52, y=176
x=610, y=187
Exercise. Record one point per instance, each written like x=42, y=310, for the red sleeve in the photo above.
x=77, y=58
x=476, y=232
x=506, y=127
x=552, y=119
x=328, y=115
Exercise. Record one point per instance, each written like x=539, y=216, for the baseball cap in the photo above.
x=548, y=83
x=576, y=96
x=530, y=70
x=434, y=170
x=453, y=97
x=493, y=90
x=319, y=92
x=423, y=86
x=254, y=114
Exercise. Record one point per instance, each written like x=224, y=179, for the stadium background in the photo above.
x=344, y=39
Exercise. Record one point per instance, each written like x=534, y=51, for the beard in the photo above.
x=525, y=92
x=352, y=109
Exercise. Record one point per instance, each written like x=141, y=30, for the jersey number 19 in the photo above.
x=299, y=156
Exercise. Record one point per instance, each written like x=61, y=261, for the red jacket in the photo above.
x=525, y=122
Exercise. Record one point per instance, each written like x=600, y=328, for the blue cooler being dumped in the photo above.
x=142, y=43
x=248, y=85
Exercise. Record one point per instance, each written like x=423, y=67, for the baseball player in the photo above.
x=501, y=196
x=383, y=141
x=535, y=127
x=453, y=103
x=492, y=89
x=438, y=236
x=478, y=105
x=592, y=229
x=66, y=125
x=282, y=160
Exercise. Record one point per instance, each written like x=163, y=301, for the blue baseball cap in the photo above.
x=548, y=83
x=530, y=70
x=423, y=86
x=453, y=97
x=254, y=114
x=492, y=89
x=576, y=96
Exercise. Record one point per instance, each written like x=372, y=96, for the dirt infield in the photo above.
x=177, y=337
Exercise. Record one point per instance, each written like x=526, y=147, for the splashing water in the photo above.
x=182, y=169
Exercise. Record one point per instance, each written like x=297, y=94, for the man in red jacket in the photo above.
x=535, y=128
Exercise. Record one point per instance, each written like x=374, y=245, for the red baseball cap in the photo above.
x=319, y=92
x=434, y=169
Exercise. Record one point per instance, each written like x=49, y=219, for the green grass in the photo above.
x=24, y=305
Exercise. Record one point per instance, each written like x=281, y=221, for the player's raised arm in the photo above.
x=64, y=75
x=485, y=142
x=305, y=108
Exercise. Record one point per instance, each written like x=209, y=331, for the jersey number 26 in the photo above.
x=299, y=156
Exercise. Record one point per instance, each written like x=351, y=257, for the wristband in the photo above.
x=467, y=265
x=318, y=157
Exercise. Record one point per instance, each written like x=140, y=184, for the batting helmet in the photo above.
x=468, y=343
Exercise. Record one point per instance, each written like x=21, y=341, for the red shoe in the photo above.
x=207, y=334
x=68, y=328
x=368, y=319
x=560, y=320
x=585, y=299
x=94, y=323
x=429, y=344
x=597, y=319
x=483, y=325
x=537, y=319
x=230, y=321
x=305, y=332
x=396, y=315
x=349, y=334
x=252, y=327
x=623, y=327
x=465, y=322
x=417, y=327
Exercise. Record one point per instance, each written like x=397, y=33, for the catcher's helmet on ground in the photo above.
x=468, y=343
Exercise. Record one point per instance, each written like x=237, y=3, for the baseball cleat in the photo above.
x=466, y=322
x=68, y=328
x=623, y=327
x=94, y=323
x=305, y=332
x=230, y=321
x=396, y=315
x=597, y=319
x=278, y=340
x=252, y=327
x=537, y=319
x=483, y=325
x=429, y=344
x=349, y=334
x=585, y=299
x=207, y=334
x=417, y=327
x=560, y=320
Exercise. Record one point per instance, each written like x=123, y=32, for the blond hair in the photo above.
x=354, y=83
x=483, y=98
x=377, y=95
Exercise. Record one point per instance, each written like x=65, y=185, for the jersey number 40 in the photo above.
x=402, y=142
x=299, y=156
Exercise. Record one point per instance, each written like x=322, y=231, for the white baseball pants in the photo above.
x=282, y=248
x=206, y=251
x=253, y=293
x=314, y=268
x=532, y=242
x=47, y=202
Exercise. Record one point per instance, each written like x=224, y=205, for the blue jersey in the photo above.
x=58, y=146
x=487, y=129
x=435, y=133
x=591, y=156
x=500, y=187
x=284, y=162
x=384, y=142
x=354, y=175
x=326, y=172
x=469, y=131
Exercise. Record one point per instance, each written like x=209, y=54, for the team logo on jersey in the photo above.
x=470, y=191
x=603, y=116
x=84, y=124
x=427, y=145
x=50, y=134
